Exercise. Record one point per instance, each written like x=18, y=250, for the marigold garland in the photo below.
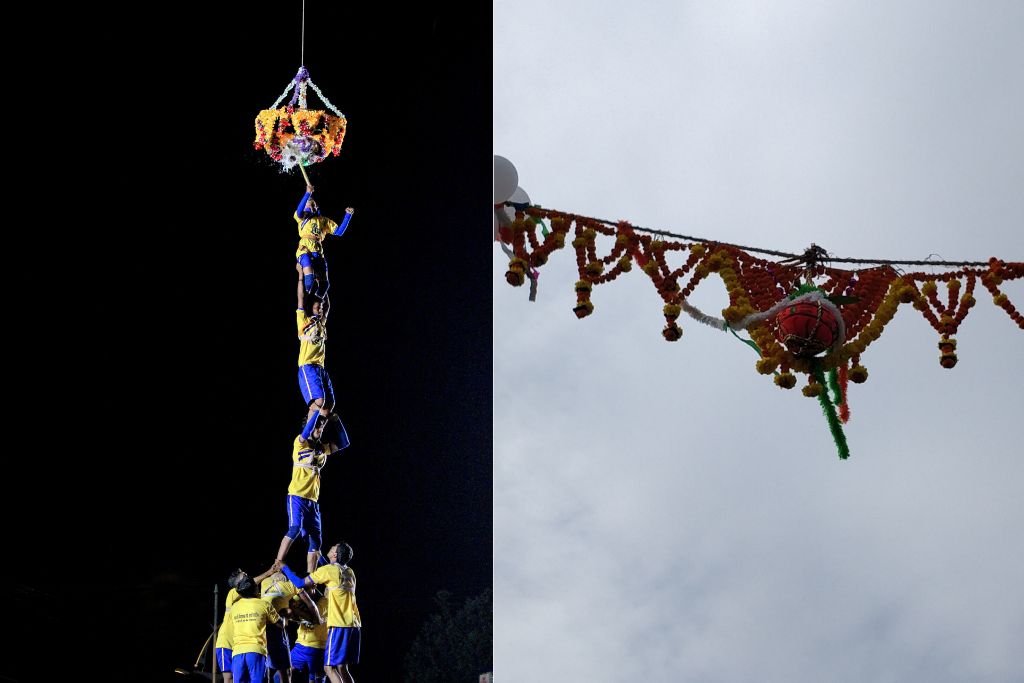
x=863, y=301
x=293, y=134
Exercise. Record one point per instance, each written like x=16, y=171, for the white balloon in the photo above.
x=519, y=197
x=506, y=179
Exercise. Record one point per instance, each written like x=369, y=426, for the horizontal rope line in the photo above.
x=771, y=252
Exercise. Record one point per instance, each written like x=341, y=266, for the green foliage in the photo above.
x=453, y=646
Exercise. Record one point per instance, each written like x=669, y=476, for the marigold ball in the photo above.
x=583, y=309
x=811, y=390
x=786, y=380
x=858, y=374
x=672, y=332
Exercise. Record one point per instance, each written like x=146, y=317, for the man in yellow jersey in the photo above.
x=314, y=382
x=308, y=652
x=344, y=625
x=277, y=590
x=313, y=229
x=249, y=617
x=308, y=459
x=225, y=634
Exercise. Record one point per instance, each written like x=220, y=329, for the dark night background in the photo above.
x=157, y=351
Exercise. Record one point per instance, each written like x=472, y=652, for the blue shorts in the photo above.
x=249, y=668
x=305, y=514
x=278, y=657
x=314, y=383
x=342, y=645
x=318, y=264
x=223, y=655
x=307, y=659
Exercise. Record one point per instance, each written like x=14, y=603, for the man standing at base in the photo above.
x=344, y=625
x=249, y=617
x=308, y=652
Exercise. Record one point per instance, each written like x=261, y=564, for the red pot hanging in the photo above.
x=807, y=328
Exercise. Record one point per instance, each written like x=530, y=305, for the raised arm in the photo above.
x=294, y=578
x=325, y=308
x=308, y=602
x=302, y=289
x=302, y=202
x=339, y=230
x=259, y=579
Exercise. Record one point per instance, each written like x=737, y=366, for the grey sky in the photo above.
x=662, y=511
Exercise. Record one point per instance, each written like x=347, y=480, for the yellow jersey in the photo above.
x=315, y=636
x=249, y=617
x=307, y=461
x=312, y=338
x=225, y=633
x=341, y=594
x=312, y=231
x=277, y=590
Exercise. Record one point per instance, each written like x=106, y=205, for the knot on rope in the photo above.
x=812, y=257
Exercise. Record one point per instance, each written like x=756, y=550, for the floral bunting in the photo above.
x=843, y=311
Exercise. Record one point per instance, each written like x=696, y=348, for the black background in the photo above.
x=151, y=368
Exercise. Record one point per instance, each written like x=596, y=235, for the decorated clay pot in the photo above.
x=807, y=328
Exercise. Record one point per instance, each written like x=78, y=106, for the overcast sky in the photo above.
x=662, y=511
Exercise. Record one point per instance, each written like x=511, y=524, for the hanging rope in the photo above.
x=283, y=95
x=302, y=57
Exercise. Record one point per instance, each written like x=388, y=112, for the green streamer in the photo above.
x=833, y=384
x=830, y=414
x=543, y=228
x=749, y=342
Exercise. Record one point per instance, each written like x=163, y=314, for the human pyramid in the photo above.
x=252, y=642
